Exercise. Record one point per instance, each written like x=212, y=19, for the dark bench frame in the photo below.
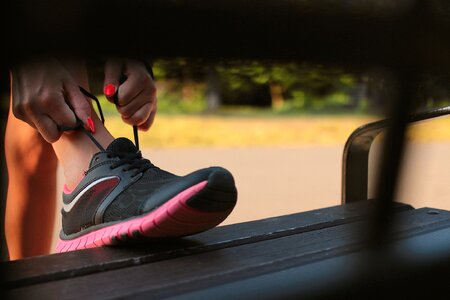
x=355, y=160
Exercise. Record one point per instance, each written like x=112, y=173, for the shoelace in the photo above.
x=133, y=160
x=80, y=126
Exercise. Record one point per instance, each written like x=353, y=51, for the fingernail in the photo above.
x=90, y=124
x=109, y=90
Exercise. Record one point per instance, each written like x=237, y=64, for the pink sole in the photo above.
x=173, y=219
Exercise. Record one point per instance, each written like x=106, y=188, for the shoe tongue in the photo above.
x=122, y=146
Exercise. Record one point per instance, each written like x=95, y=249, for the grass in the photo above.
x=179, y=131
x=252, y=127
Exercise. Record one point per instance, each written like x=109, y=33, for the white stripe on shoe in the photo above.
x=68, y=207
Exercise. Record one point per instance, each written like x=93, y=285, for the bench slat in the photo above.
x=411, y=268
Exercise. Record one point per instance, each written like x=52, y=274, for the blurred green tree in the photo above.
x=282, y=86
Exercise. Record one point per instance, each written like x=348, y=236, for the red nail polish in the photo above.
x=90, y=124
x=109, y=90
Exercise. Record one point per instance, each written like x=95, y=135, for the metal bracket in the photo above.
x=355, y=161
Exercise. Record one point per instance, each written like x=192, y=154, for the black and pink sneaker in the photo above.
x=124, y=196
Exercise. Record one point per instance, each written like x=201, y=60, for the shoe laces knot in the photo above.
x=130, y=161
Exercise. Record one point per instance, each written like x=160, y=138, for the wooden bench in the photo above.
x=215, y=261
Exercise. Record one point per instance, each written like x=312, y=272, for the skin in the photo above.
x=45, y=94
x=29, y=219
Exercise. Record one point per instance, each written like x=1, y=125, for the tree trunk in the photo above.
x=276, y=93
x=213, y=90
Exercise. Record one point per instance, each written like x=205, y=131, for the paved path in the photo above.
x=270, y=181
x=278, y=181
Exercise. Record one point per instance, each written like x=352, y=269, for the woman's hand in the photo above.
x=45, y=95
x=136, y=98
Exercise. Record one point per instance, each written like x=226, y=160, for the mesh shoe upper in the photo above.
x=129, y=203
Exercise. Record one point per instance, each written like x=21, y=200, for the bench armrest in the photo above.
x=355, y=161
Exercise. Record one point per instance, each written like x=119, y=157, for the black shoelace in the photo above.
x=80, y=126
x=135, y=161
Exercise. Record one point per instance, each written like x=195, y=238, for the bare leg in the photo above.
x=30, y=205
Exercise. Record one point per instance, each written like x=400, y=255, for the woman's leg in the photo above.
x=32, y=166
x=30, y=208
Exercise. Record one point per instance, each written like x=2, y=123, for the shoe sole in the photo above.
x=175, y=218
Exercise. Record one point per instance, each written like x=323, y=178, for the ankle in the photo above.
x=75, y=168
x=75, y=152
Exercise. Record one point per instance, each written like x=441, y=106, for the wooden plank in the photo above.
x=179, y=275
x=59, y=266
x=411, y=268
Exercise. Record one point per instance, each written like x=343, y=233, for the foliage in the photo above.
x=297, y=87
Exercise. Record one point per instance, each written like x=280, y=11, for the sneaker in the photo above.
x=124, y=196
